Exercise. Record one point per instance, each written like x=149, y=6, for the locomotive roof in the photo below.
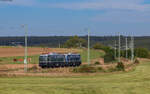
x=72, y=54
x=55, y=54
x=58, y=54
x=44, y=55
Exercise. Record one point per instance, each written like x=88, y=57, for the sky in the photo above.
x=74, y=17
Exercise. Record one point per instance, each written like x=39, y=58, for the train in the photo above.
x=54, y=60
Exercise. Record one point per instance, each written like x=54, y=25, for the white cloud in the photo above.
x=88, y=4
x=123, y=16
x=104, y=5
x=115, y=10
x=18, y=2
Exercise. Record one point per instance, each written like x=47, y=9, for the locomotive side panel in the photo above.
x=56, y=60
x=74, y=60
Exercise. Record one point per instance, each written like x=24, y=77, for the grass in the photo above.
x=93, y=54
x=6, y=46
x=134, y=82
x=9, y=60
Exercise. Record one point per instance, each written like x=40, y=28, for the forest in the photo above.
x=58, y=41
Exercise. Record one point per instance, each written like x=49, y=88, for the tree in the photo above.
x=75, y=42
x=109, y=57
x=142, y=52
x=98, y=46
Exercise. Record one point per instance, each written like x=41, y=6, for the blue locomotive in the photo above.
x=54, y=60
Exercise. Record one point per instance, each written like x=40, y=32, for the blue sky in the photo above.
x=72, y=17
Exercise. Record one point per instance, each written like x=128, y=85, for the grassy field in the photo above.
x=9, y=60
x=134, y=82
x=93, y=54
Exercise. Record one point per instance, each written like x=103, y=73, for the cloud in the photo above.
x=123, y=17
x=88, y=4
x=104, y=5
x=18, y=2
x=115, y=10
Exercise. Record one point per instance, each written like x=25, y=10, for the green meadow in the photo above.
x=133, y=82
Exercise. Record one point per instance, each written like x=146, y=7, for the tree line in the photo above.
x=60, y=41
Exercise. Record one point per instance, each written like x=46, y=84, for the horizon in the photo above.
x=78, y=36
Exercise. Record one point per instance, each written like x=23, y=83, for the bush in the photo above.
x=34, y=68
x=75, y=42
x=111, y=69
x=97, y=63
x=120, y=66
x=107, y=49
x=85, y=69
x=108, y=58
x=98, y=46
x=99, y=68
x=149, y=55
x=142, y=52
x=137, y=61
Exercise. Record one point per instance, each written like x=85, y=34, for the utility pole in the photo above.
x=126, y=47
x=59, y=44
x=88, y=59
x=115, y=50
x=132, y=48
x=119, y=49
x=26, y=49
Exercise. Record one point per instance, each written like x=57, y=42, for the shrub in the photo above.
x=34, y=68
x=142, y=52
x=100, y=69
x=75, y=42
x=97, y=63
x=120, y=66
x=108, y=58
x=149, y=55
x=85, y=69
x=111, y=69
x=136, y=61
x=98, y=46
